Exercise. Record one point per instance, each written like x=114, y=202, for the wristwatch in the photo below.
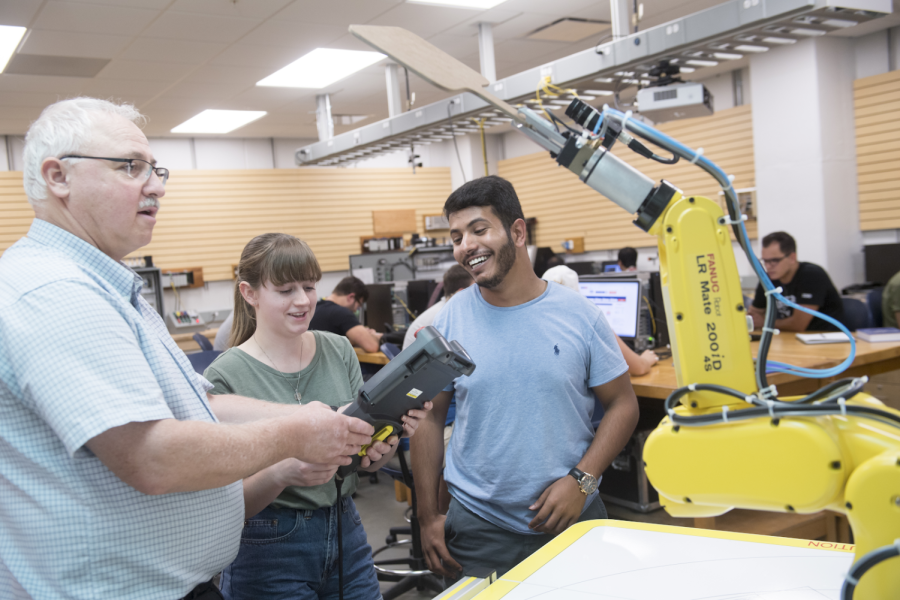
x=587, y=483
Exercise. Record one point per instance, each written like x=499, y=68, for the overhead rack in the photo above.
x=723, y=33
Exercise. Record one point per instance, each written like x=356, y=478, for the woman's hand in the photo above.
x=296, y=472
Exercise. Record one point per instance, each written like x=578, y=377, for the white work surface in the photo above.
x=616, y=560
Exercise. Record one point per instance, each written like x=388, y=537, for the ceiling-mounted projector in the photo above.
x=668, y=98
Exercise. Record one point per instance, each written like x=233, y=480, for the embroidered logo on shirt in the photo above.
x=556, y=349
x=806, y=295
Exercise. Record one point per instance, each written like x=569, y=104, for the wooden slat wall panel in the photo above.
x=208, y=216
x=566, y=208
x=876, y=103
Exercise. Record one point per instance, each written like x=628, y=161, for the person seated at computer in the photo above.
x=804, y=283
x=334, y=313
x=628, y=259
x=638, y=364
x=456, y=278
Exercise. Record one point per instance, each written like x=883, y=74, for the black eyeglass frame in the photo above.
x=773, y=261
x=161, y=172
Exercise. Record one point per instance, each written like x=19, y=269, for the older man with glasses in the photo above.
x=804, y=283
x=118, y=476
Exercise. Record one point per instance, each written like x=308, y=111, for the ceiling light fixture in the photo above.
x=702, y=63
x=218, y=121
x=477, y=4
x=750, y=48
x=10, y=36
x=321, y=68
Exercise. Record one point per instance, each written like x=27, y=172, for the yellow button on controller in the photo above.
x=383, y=434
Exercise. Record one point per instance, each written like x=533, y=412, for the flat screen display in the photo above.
x=619, y=300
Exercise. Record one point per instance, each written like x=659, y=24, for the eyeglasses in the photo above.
x=771, y=262
x=137, y=168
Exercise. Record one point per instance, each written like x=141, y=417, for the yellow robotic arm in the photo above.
x=728, y=440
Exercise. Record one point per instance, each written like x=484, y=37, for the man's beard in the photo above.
x=506, y=258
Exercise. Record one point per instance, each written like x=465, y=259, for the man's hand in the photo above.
x=649, y=358
x=435, y=548
x=291, y=471
x=412, y=418
x=379, y=453
x=328, y=438
x=558, y=507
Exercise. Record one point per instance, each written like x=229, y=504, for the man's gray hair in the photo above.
x=65, y=127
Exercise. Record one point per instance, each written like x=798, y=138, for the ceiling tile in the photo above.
x=251, y=55
x=278, y=33
x=91, y=18
x=215, y=93
x=64, y=86
x=336, y=12
x=67, y=43
x=270, y=99
x=175, y=51
x=196, y=27
x=18, y=12
x=422, y=19
x=145, y=70
x=154, y=4
x=214, y=73
x=255, y=9
x=64, y=66
x=32, y=99
x=103, y=88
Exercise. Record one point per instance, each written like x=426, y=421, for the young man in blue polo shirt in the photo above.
x=523, y=461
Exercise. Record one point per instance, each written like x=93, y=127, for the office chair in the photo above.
x=201, y=360
x=856, y=314
x=873, y=301
x=417, y=574
x=203, y=342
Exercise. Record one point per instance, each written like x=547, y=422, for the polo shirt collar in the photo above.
x=122, y=279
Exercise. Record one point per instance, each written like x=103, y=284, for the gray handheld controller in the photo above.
x=410, y=379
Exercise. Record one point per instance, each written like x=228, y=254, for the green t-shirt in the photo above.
x=890, y=301
x=332, y=377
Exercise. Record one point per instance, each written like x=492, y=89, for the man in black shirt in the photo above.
x=335, y=314
x=804, y=283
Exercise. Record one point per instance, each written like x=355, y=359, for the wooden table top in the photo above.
x=871, y=358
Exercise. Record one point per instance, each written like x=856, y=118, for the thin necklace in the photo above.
x=280, y=372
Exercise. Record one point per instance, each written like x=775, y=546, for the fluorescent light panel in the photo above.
x=10, y=36
x=321, y=68
x=478, y=4
x=218, y=121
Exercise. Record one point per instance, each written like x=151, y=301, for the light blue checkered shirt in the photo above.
x=81, y=352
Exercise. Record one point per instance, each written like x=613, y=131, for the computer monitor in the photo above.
x=582, y=268
x=620, y=301
x=379, y=307
x=882, y=262
x=610, y=266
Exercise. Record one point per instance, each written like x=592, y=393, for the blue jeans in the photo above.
x=293, y=554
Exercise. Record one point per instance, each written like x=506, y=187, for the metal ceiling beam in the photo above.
x=706, y=38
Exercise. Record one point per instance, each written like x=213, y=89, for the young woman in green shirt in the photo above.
x=289, y=542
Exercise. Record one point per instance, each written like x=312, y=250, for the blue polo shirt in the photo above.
x=82, y=352
x=523, y=418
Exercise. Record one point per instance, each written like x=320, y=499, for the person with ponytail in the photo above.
x=288, y=544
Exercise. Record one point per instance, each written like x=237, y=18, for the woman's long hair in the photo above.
x=277, y=258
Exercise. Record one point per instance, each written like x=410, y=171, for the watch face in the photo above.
x=588, y=484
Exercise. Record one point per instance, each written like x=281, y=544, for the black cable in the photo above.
x=338, y=483
x=865, y=563
x=453, y=133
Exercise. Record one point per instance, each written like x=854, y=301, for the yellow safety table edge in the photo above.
x=530, y=565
